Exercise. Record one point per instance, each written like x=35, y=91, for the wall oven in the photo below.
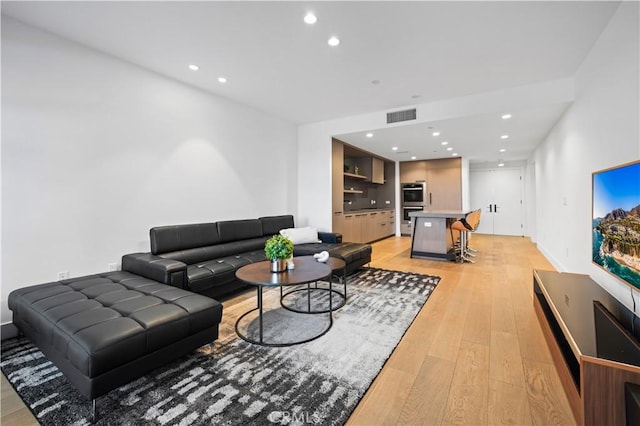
x=414, y=193
x=408, y=209
x=414, y=199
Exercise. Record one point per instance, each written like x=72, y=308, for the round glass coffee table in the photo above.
x=307, y=270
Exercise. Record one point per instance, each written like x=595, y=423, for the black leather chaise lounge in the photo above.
x=104, y=330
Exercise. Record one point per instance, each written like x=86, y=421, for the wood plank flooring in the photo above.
x=474, y=355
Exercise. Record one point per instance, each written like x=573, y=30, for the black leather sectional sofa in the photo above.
x=107, y=329
x=204, y=257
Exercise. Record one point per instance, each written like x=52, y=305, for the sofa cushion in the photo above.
x=210, y=274
x=234, y=230
x=178, y=237
x=197, y=254
x=273, y=224
x=233, y=248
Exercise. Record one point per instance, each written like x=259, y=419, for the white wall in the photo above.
x=96, y=151
x=599, y=130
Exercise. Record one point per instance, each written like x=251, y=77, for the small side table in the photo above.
x=338, y=270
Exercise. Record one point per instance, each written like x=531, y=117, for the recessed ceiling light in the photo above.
x=506, y=116
x=333, y=41
x=450, y=149
x=504, y=137
x=369, y=135
x=503, y=150
x=436, y=133
x=413, y=157
x=444, y=143
x=222, y=80
x=193, y=67
x=500, y=164
x=310, y=18
x=395, y=148
x=454, y=154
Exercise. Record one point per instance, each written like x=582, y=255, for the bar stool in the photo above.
x=463, y=226
x=473, y=220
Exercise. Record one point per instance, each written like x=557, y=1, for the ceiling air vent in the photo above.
x=394, y=117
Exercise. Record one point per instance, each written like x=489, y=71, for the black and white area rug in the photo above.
x=319, y=382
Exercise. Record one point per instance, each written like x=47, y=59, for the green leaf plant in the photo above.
x=278, y=247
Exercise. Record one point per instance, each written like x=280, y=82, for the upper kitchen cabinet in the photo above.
x=413, y=171
x=444, y=184
x=377, y=170
x=443, y=178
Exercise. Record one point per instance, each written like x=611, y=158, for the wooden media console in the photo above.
x=592, y=345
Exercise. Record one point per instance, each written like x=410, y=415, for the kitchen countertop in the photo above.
x=385, y=209
x=453, y=214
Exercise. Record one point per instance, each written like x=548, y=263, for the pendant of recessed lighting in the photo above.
x=310, y=18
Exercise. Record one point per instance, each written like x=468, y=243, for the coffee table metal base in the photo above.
x=309, y=289
x=259, y=308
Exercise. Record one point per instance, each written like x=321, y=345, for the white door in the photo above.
x=499, y=194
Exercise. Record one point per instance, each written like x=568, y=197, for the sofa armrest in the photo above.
x=167, y=271
x=330, y=237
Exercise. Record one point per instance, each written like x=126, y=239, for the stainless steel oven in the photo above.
x=414, y=193
x=408, y=209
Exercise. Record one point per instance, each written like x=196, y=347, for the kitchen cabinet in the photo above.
x=413, y=171
x=367, y=227
x=444, y=181
x=444, y=184
x=371, y=168
x=352, y=228
x=377, y=170
x=338, y=223
x=372, y=185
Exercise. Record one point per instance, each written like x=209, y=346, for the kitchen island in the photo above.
x=431, y=236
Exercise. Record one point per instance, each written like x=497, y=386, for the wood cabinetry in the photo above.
x=337, y=178
x=368, y=227
x=377, y=170
x=413, y=171
x=352, y=228
x=444, y=181
x=595, y=386
x=337, y=185
x=444, y=184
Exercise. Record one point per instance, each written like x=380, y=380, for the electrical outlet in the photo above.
x=63, y=275
x=113, y=267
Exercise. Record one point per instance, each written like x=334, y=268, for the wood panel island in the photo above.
x=431, y=235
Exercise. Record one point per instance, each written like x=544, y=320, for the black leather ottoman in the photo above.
x=105, y=330
x=355, y=255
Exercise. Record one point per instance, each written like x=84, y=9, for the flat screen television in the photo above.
x=616, y=221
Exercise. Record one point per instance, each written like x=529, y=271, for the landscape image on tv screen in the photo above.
x=616, y=222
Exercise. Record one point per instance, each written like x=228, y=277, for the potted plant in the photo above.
x=278, y=249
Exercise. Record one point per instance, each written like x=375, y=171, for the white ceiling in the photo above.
x=419, y=52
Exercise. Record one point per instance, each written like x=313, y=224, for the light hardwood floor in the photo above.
x=474, y=355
